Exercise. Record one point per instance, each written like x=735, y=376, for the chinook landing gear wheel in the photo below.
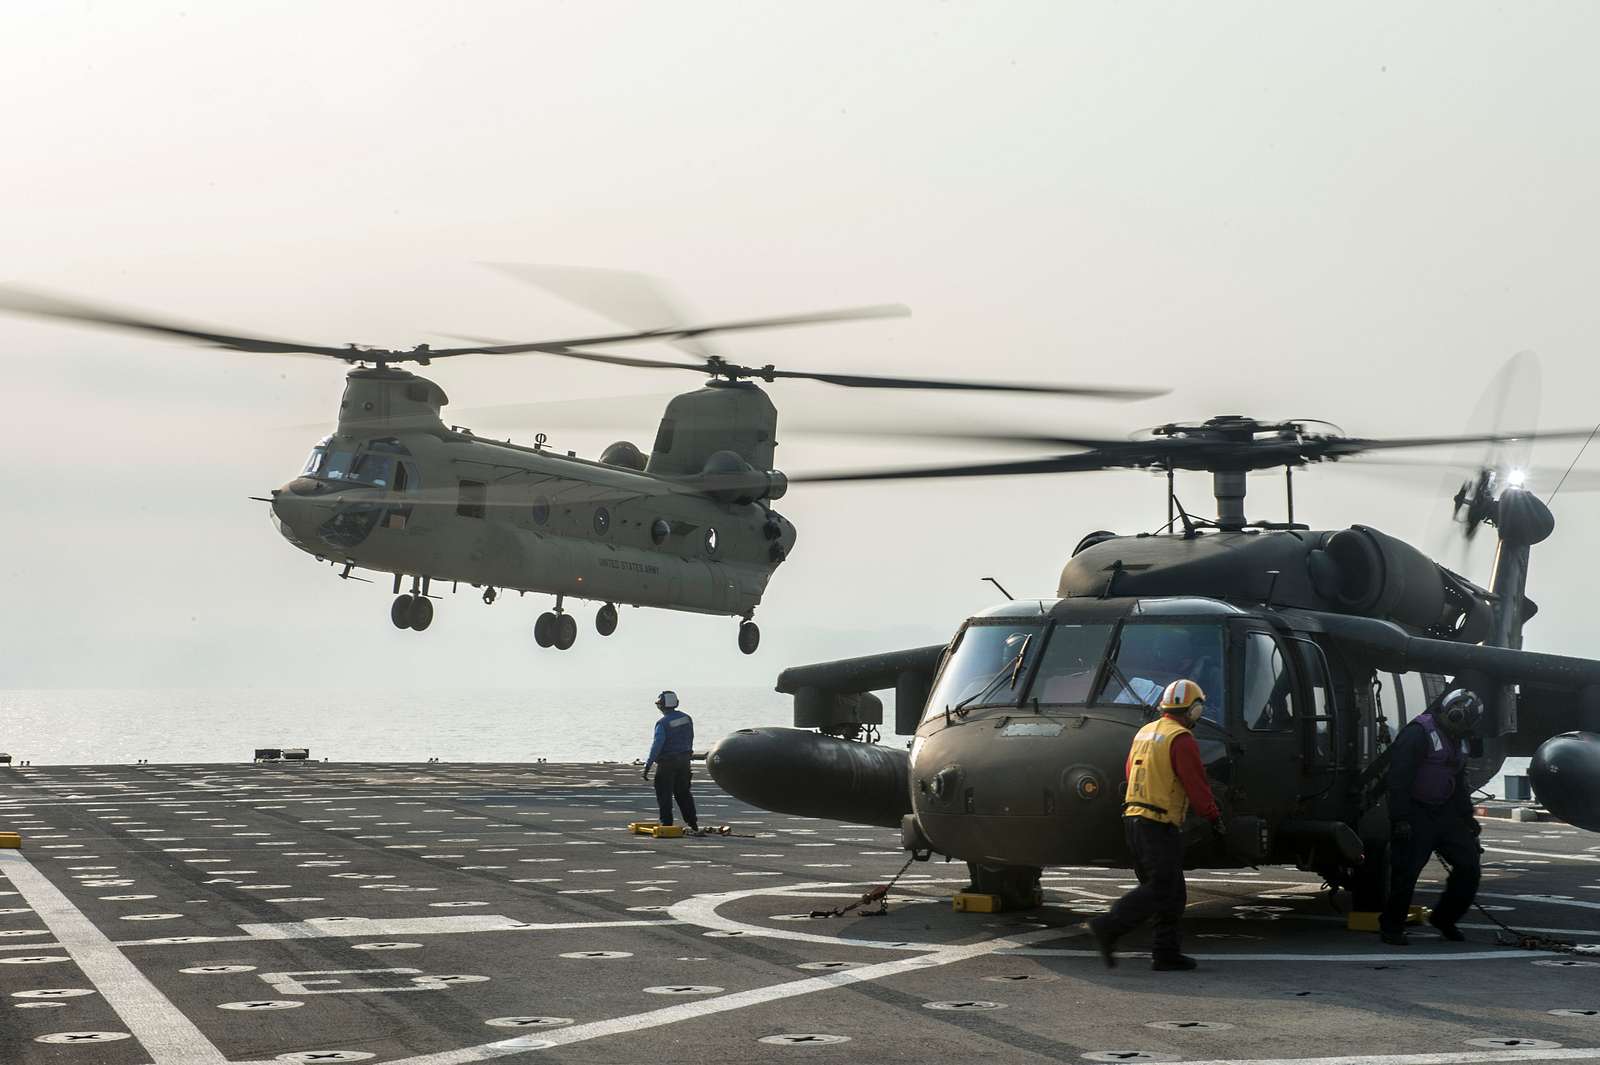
x=421, y=613
x=400, y=612
x=566, y=631
x=544, y=630
x=605, y=621
x=749, y=637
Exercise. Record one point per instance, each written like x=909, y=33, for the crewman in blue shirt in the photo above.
x=674, y=740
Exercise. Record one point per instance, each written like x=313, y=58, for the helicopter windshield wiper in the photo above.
x=1011, y=669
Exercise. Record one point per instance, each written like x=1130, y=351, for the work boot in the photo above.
x=1395, y=939
x=1173, y=963
x=1447, y=930
x=1104, y=940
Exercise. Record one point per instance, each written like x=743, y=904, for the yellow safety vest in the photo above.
x=1154, y=790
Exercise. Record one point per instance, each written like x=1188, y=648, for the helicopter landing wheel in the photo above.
x=400, y=612
x=605, y=621
x=566, y=631
x=421, y=612
x=544, y=630
x=749, y=637
x=1017, y=885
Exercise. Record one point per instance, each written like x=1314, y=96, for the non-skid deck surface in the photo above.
x=450, y=914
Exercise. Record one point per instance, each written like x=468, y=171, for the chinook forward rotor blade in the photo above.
x=42, y=305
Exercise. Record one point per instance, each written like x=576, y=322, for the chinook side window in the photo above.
x=1266, y=685
x=473, y=499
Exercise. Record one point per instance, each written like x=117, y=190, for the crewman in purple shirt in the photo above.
x=1430, y=809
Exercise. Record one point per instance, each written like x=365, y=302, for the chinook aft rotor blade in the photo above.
x=1086, y=463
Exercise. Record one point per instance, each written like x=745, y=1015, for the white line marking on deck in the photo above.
x=1468, y=1057
x=1544, y=854
x=168, y=1036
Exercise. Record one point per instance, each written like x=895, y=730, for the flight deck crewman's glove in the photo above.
x=1474, y=828
x=1219, y=828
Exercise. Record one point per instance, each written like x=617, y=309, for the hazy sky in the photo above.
x=1352, y=211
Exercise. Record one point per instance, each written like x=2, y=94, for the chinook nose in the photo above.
x=292, y=510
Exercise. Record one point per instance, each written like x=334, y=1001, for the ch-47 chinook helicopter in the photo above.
x=1313, y=648
x=690, y=526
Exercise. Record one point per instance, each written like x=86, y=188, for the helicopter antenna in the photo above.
x=1002, y=588
x=1573, y=464
x=1189, y=532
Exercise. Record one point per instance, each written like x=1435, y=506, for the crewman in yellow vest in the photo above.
x=1165, y=778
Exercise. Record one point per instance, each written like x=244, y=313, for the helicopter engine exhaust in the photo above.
x=793, y=771
x=1566, y=778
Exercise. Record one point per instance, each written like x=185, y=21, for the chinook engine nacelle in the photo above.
x=727, y=478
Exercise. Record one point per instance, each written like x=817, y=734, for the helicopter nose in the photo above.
x=292, y=510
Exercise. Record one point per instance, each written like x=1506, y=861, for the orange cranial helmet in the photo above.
x=1184, y=699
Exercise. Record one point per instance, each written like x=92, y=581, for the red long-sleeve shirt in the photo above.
x=1191, y=774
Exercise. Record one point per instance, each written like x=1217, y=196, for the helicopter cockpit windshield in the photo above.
x=1149, y=656
x=379, y=463
x=988, y=667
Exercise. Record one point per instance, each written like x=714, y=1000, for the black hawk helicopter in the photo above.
x=689, y=526
x=1309, y=644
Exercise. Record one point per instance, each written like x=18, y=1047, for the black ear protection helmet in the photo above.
x=1459, y=712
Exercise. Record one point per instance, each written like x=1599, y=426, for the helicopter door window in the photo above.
x=314, y=463
x=1316, y=669
x=471, y=503
x=1266, y=685
x=988, y=668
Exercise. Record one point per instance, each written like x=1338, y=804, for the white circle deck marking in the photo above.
x=1190, y=1026
x=34, y=959
x=325, y=1055
x=1127, y=1055
x=217, y=970
x=82, y=1037
x=385, y=946
x=683, y=989
x=53, y=992
x=803, y=1039
x=597, y=954
x=1511, y=1042
x=150, y=917
x=1020, y=978
x=37, y=1005
x=261, y=1004
x=964, y=1004
x=528, y=1022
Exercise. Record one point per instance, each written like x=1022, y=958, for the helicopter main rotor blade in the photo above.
x=42, y=305
x=628, y=298
x=563, y=347
x=1086, y=463
x=867, y=381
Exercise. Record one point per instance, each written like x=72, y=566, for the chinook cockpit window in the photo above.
x=1151, y=656
x=988, y=667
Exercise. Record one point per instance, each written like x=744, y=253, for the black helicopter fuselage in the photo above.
x=1314, y=649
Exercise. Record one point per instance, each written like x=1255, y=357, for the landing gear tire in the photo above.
x=605, y=621
x=1017, y=885
x=566, y=631
x=544, y=630
x=400, y=612
x=749, y=637
x=421, y=612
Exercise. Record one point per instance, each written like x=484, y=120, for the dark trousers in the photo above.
x=1433, y=828
x=672, y=782
x=1158, y=862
